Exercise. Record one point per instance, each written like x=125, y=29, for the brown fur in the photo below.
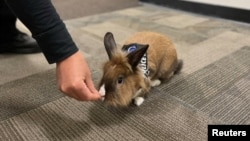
x=121, y=96
x=162, y=56
x=162, y=62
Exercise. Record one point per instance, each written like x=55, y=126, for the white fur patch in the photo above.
x=156, y=82
x=102, y=92
x=138, y=101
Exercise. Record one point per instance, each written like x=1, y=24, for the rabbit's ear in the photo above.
x=134, y=57
x=109, y=43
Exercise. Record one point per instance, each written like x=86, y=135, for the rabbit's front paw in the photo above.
x=138, y=101
x=155, y=83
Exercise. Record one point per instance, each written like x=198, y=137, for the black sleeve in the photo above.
x=46, y=27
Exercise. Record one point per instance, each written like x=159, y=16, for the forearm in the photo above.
x=46, y=27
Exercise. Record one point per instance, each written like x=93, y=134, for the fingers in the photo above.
x=74, y=78
x=91, y=93
x=91, y=86
x=81, y=91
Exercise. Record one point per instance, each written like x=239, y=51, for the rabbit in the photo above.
x=124, y=80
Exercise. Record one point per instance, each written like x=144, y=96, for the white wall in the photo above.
x=242, y=4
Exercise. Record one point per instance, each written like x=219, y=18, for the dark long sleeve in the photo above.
x=46, y=27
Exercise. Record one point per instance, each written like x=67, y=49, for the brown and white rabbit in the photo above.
x=125, y=76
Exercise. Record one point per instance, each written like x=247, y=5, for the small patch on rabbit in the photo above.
x=128, y=75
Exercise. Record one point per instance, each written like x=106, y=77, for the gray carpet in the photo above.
x=79, y=8
x=213, y=87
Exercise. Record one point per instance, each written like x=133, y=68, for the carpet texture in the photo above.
x=213, y=87
x=79, y=8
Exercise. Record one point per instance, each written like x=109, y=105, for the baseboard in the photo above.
x=236, y=14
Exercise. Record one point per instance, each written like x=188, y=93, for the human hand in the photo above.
x=74, y=78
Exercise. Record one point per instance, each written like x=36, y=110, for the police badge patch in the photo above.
x=144, y=60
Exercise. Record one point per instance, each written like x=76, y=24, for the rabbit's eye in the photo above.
x=120, y=80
